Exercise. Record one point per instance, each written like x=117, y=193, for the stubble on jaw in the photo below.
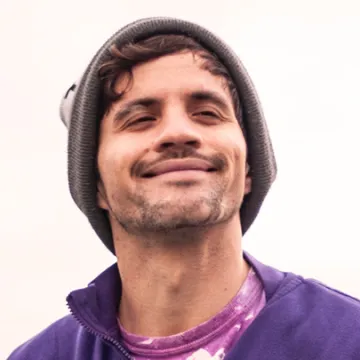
x=158, y=224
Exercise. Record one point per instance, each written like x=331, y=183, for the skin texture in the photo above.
x=177, y=234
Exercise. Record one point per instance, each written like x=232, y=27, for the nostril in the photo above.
x=180, y=144
x=192, y=143
x=166, y=145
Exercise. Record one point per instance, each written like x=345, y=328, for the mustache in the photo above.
x=218, y=160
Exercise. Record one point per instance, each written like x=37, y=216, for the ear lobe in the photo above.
x=101, y=197
x=248, y=185
x=248, y=180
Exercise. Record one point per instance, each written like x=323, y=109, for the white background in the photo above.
x=304, y=58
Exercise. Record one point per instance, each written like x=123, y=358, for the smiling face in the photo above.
x=171, y=151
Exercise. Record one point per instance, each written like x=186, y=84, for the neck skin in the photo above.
x=168, y=289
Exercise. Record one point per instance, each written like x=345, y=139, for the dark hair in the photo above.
x=123, y=59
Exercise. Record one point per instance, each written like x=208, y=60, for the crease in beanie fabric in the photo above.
x=79, y=112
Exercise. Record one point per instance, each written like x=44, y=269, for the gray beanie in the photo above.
x=79, y=112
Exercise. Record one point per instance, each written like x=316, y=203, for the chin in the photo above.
x=189, y=213
x=167, y=211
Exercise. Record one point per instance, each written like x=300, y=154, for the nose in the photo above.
x=177, y=133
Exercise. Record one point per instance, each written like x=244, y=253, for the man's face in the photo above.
x=171, y=152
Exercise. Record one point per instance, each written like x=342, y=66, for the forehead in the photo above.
x=172, y=75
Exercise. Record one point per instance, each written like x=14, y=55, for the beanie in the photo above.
x=79, y=112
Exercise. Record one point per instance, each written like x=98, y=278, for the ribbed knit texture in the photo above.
x=82, y=120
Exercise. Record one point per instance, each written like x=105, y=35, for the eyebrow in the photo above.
x=146, y=102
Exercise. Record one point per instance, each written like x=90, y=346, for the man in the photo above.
x=170, y=160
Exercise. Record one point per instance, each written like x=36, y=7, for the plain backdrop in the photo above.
x=304, y=59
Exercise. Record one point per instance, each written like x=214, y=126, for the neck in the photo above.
x=175, y=286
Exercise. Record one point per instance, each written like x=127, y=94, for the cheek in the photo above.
x=235, y=148
x=234, y=144
x=239, y=165
x=114, y=162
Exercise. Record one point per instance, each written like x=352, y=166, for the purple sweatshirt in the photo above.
x=302, y=320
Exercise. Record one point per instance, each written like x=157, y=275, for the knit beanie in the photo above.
x=79, y=112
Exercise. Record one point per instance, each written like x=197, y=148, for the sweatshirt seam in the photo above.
x=291, y=286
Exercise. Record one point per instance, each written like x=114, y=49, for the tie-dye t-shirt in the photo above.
x=210, y=340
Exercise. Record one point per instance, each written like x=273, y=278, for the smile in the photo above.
x=179, y=167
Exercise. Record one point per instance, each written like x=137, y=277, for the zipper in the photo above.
x=100, y=334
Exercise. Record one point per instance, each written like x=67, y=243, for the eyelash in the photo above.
x=142, y=119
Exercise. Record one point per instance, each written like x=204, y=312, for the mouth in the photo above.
x=178, y=165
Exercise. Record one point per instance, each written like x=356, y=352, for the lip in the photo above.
x=174, y=165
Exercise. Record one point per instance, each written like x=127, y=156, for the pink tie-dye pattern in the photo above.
x=210, y=340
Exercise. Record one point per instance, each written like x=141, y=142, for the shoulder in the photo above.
x=331, y=298
x=322, y=315
x=312, y=319
x=45, y=345
x=315, y=300
x=334, y=308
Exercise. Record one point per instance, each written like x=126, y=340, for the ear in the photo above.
x=101, y=196
x=248, y=180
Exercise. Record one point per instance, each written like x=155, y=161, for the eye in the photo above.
x=207, y=116
x=207, y=113
x=143, y=119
